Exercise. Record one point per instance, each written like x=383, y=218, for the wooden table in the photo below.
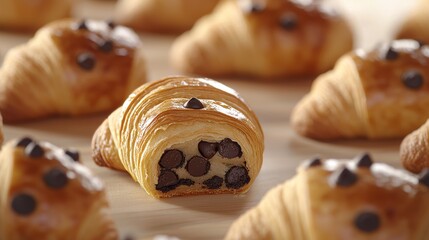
x=208, y=217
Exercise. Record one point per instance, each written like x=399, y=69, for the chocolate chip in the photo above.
x=288, y=21
x=343, y=177
x=207, y=149
x=364, y=161
x=254, y=8
x=412, y=79
x=391, y=54
x=24, y=142
x=23, y=204
x=367, y=222
x=424, y=177
x=74, y=155
x=82, y=25
x=55, y=178
x=106, y=46
x=194, y=103
x=86, y=61
x=34, y=150
x=313, y=163
x=213, y=183
x=229, y=149
x=236, y=177
x=111, y=24
x=172, y=159
x=186, y=182
x=167, y=180
x=198, y=166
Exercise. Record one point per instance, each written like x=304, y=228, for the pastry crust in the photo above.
x=381, y=202
x=156, y=118
x=46, y=194
x=26, y=15
x=162, y=15
x=266, y=38
x=415, y=25
x=414, y=149
x=71, y=68
x=367, y=95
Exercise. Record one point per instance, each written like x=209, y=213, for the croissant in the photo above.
x=331, y=199
x=263, y=38
x=183, y=136
x=45, y=193
x=162, y=15
x=415, y=25
x=376, y=94
x=71, y=68
x=31, y=15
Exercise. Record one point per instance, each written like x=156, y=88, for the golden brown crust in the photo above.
x=313, y=205
x=415, y=25
x=414, y=149
x=59, y=188
x=367, y=95
x=25, y=15
x=154, y=119
x=254, y=42
x=53, y=62
x=162, y=15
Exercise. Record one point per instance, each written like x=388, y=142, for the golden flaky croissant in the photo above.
x=414, y=149
x=333, y=200
x=162, y=15
x=183, y=136
x=263, y=38
x=378, y=94
x=71, y=68
x=415, y=25
x=32, y=14
x=45, y=193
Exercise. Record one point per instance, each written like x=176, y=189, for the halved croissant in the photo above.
x=31, y=15
x=333, y=200
x=183, y=136
x=263, y=38
x=414, y=149
x=71, y=68
x=162, y=15
x=415, y=25
x=46, y=194
x=378, y=94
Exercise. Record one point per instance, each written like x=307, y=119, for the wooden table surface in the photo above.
x=208, y=217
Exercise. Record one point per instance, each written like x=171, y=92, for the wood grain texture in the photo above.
x=208, y=217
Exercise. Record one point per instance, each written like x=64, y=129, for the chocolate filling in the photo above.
x=74, y=155
x=213, y=183
x=236, y=177
x=55, y=179
x=86, y=61
x=34, y=150
x=194, y=103
x=167, y=181
x=343, y=177
x=412, y=79
x=207, y=149
x=288, y=21
x=24, y=142
x=186, y=182
x=198, y=166
x=367, y=222
x=229, y=149
x=172, y=159
x=23, y=204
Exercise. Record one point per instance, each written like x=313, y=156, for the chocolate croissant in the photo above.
x=331, y=199
x=45, y=193
x=183, y=136
x=415, y=25
x=71, y=68
x=263, y=38
x=31, y=15
x=162, y=15
x=414, y=149
x=377, y=94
